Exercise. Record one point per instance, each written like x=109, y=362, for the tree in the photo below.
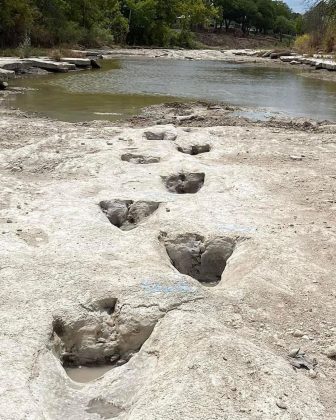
x=265, y=16
x=16, y=20
x=283, y=26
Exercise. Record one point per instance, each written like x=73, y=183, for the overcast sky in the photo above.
x=297, y=5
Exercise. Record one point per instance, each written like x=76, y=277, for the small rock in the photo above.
x=331, y=352
x=9, y=221
x=312, y=374
x=297, y=158
x=294, y=352
x=281, y=405
x=298, y=333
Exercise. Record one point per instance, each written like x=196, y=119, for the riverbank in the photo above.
x=258, y=343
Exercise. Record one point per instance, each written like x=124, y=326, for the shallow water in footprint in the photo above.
x=85, y=374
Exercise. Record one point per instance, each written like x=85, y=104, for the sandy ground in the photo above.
x=71, y=278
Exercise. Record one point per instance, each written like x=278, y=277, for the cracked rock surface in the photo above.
x=76, y=292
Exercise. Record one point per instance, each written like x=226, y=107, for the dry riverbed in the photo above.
x=189, y=251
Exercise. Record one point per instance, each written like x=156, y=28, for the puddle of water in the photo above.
x=85, y=374
x=126, y=85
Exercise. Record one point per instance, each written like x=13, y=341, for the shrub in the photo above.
x=329, y=38
x=304, y=44
x=55, y=55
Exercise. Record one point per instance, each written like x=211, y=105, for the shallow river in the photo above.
x=126, y=85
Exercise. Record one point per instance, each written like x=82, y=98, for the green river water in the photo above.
x=126, y=85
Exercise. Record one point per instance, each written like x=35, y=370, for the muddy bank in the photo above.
x=248, y=208
x=206, y=114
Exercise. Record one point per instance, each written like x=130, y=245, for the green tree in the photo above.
x=283, y=26
x=16, y=20
x=264, y=19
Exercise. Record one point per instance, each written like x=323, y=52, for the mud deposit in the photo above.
x=110, y=237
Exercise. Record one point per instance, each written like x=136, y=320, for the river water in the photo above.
x=126, y=85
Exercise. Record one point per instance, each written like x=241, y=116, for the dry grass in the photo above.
x=58, y=53
x=323, y=40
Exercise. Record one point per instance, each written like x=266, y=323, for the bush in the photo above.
x=55, y=55
x=186, y=39
x=329, y=39
x=305, y=44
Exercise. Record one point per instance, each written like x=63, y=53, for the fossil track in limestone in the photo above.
x=200, y=258
x=101, y=336
x=184, y=183
x=139, y=159
x=194, y=149
x=127, y=214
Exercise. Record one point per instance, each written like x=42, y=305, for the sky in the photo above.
x=297, y=5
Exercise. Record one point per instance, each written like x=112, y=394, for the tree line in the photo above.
x=47, y=23
x=318, y=26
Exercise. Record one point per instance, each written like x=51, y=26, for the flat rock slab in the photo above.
x=14, y=64
x=289, y=58
x=319, y=62
x=78, y=62
x=53, y=66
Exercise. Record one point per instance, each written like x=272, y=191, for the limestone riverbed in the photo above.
x=94, y=274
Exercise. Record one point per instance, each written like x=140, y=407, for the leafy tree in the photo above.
x=151, y=22
x=16, y=19
x=265, y=16
x=283, y=26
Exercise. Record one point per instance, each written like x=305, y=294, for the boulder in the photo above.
x=95, y=64
x=6, y=74
x=3, y=85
